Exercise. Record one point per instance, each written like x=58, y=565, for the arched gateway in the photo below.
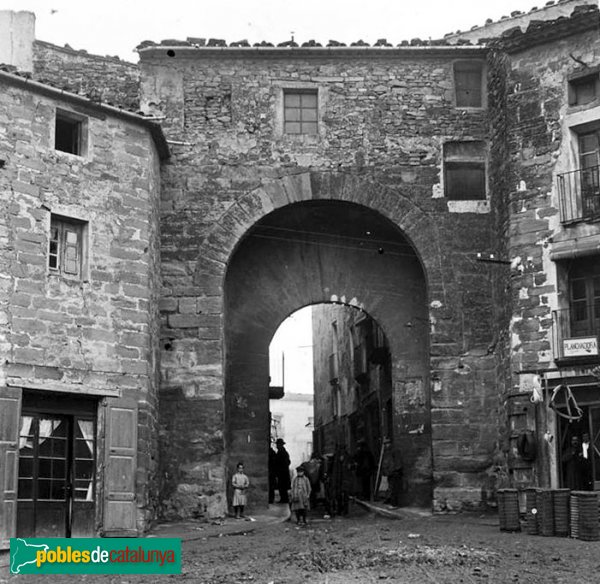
x=312, y=238
x=312, y=252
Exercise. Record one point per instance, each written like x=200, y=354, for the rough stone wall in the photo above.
x=102, y=79
x=93, y=333
x=540, y=146
x=501, y=181
x=384, y=117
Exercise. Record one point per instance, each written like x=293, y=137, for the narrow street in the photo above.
x=363, y=548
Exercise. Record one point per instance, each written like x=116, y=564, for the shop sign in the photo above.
x=580, y=347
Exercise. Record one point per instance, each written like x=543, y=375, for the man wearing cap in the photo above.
x=282, y=470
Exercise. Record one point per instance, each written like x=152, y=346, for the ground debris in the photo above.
x=332, y=558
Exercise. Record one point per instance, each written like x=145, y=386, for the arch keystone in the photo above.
x=298, y=187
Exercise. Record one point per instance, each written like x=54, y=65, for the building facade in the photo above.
x=448, y=191
x=79, y=322
x=549, y=132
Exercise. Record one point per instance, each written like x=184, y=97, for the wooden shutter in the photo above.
x=120, y=466
x=71, y=260
x=10, y=417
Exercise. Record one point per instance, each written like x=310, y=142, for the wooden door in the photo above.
x=10, y=409
x=120, y=506
x=57, y=469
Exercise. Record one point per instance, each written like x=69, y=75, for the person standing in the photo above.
x=391, y=467
x=282, y=470
x=240, y=483
x=272, y=474
x=300, y=494
x=572, y=461
x=313, y=470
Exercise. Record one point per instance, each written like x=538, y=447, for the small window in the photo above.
x=464, y=171
x=468, y=83
x=583, y=90
x=65, y=246
x=300, y=109
x=69, y=133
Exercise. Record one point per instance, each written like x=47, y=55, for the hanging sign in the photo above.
x=580, y=347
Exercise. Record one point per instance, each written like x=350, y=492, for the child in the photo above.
x=240, y=483
x=300, y=495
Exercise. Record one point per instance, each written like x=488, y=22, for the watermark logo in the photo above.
x=95, y=555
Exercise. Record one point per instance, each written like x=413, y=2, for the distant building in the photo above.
x=353, y=386
x=291, y=419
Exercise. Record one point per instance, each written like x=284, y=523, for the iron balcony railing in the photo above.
x=579, y=195
x=575, y=333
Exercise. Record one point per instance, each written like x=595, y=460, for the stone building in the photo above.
x=79, y=257
x=353, y=389
x=449, y=191
x=548, y=151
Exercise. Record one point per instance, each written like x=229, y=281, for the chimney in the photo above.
x=17, y=34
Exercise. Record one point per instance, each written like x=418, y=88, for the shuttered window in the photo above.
x=65, y=246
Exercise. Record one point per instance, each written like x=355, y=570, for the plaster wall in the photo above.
x=17, y=33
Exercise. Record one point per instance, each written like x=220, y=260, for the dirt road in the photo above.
x=365, y=548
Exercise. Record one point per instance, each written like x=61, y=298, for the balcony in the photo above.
x=575, y=335
x=579, y=195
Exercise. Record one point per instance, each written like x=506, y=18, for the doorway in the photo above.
x=57, y=467
x=589, y=424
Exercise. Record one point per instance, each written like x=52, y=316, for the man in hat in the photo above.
x=282, y=470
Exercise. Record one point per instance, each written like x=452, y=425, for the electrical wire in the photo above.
x=348, y=237
x=380, y=251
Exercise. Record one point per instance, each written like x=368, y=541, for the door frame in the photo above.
x=69, y=408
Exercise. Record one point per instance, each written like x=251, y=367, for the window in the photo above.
x=65, y=248
x=468, y=83
x=69, y=133
x=579, y=189
x=300, y=109
x=584, y=297
x=584, y=89
x=589, y=161
x=464, y=171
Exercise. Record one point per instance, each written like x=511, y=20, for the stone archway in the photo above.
x=315, y=252
x=454, y=325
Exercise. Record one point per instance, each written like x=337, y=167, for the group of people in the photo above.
x=577, y=464
x=331, y=478
x=294, y=492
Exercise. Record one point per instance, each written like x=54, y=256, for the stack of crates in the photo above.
x=508, y=510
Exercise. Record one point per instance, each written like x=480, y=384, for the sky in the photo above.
x=116, y=27
x=294, y=339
